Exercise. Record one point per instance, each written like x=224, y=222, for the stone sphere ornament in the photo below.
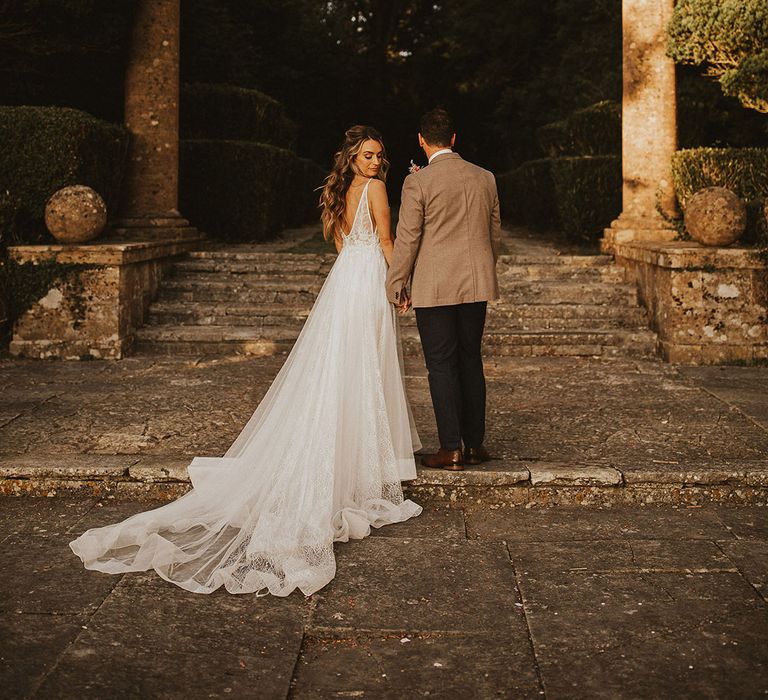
x=715, y=216
x=75, y=214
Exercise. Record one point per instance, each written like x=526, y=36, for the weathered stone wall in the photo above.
x=95, y=310
x=708, y=305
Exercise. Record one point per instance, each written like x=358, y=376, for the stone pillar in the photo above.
x=649, y=124
x=149, y=203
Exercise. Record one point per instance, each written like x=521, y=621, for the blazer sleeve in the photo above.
x=495, y=222
x=410, y=228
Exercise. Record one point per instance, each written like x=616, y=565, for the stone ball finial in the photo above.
x=715, y=216
x=75, y=214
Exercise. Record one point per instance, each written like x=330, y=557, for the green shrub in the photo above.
x=594, y=130
x=245, y=191
x=587, y=194
x=46, y=148
x=744, y=171
x=214, y=111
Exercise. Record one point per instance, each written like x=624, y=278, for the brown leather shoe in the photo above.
x=476, y=455
x=444, y=459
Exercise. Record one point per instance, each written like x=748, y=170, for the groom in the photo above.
x=448, y=240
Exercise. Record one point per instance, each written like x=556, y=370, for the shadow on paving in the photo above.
x=635, y=602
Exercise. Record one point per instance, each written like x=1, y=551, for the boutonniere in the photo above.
x=414, y=168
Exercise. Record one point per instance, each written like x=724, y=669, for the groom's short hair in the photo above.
x=436, y=127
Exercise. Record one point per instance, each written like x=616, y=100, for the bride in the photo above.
x=322, y=457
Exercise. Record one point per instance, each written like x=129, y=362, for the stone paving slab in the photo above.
x=30, y=644
x=46, y=516
x=432, y=664
x=41, y=575
x=544, y=525
x=744, y=523
x=164, y=618
x=380, y=584
x=742, y=387
x=751, y=558
x=657, y=650
x=91, y=670
x=435, y=523
x=544, y=559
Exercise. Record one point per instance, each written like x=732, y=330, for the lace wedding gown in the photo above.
x=320, y=460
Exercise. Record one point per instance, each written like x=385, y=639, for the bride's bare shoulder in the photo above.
x=377, y=191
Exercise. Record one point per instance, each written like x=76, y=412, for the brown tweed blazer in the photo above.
x=448, y=235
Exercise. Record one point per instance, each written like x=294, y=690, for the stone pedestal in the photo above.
x=708, y=305
x=648, y=123
x=93, y=311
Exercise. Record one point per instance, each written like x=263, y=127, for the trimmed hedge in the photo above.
x=245, y=191
x=578, y=196
x=592, y=131
x=588, y=194
x=744, y=171
x=47, y=148
x=214, y=111
x=527, y=194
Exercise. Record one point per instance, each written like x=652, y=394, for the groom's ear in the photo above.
x=453, y=139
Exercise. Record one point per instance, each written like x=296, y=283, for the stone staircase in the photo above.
x=243, y=300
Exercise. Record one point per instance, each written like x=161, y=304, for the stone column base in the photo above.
x=97, y=296
x=708, y=305
x=626, y=232
x=162, y=227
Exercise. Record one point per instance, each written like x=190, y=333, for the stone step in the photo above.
x=303, y=289
x=288, y=265
x=556, y=259
x=503, y=481
x=231, y=340
x=256, y=280
x=524, y=317
x=582, y=342
x=249, y=252
x=538, y=272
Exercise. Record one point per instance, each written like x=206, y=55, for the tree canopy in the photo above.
x=502, y=68
x=729, y=37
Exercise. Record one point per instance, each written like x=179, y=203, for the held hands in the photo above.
x=404, y=302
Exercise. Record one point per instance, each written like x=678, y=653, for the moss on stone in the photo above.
x=22, y=284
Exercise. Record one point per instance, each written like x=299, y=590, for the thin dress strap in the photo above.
x=367, y=207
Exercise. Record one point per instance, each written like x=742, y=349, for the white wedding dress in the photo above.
x=320, y=460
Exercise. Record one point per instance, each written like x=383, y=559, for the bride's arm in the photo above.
x=379, y=206
x=337, y=242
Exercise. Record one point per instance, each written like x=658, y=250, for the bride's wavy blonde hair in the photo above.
x=333, y=197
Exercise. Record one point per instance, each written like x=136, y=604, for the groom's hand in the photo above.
x=404, y=305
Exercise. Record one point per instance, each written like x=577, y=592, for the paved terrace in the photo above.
x=566, y=430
